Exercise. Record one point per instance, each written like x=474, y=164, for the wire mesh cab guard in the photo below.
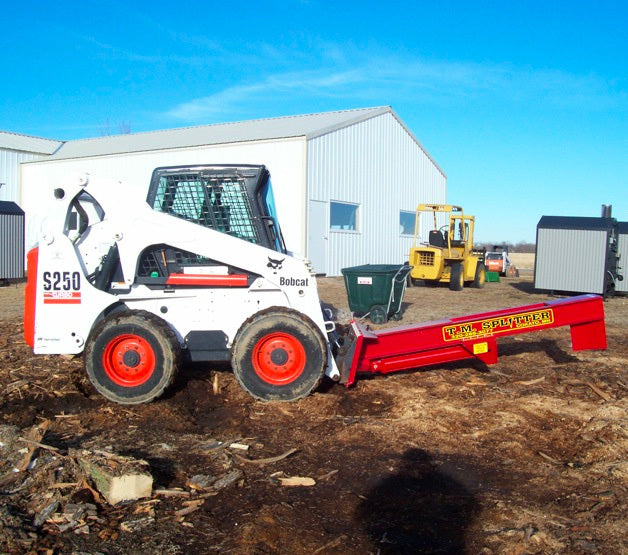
x=236, y=200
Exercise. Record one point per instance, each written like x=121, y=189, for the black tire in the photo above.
x=378, y=314
x=456, y=280
x=480, y=276
x=279, y=355
x=131, y=357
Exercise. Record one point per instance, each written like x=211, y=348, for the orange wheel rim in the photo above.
x=279, y=358
x=129, y=360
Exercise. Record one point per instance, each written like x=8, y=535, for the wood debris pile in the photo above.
x=53, y=490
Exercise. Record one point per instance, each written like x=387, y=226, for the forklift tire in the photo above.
x=279, y=355
x=480, y=276
x=456, y=280
x=131, y=357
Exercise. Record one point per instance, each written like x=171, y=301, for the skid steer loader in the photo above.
x=199, y=271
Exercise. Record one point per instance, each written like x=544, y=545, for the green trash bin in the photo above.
x=376, y=290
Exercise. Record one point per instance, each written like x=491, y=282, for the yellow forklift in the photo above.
x=448, y=255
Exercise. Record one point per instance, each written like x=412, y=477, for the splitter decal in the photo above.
x=494, y=326
x=62, y=287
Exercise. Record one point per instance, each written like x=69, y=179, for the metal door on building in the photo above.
x=317, y=235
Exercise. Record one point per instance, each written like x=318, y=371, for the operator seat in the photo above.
x=436, y=239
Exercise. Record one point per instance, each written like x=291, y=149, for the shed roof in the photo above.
x=26, y=143
x=576, y=222
x=9, y=207
x=309, y=126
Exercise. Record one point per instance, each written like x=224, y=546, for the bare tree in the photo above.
x=106, y=128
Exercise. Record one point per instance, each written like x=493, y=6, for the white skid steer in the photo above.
x=199, y=271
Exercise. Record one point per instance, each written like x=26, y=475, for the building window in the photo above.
x=344, y=216
x=406, y=222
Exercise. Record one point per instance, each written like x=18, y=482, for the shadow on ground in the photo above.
x=419, y=509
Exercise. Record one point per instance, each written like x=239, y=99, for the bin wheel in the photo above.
x=279, y=355
x=378, y=314
x=396, y=316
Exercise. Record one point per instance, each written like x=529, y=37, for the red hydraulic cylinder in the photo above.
x=467, y=337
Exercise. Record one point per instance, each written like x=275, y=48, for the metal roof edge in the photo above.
x=8, y=207
x=59, y=155
x=354, y=116
x=418, y=143
x=28, y=143
x=370, y=113
x=366, y=114
x=588, y=223
x=53, y=158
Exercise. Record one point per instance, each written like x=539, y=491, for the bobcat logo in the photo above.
x=274, y=264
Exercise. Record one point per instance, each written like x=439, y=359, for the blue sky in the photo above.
x=523, y=104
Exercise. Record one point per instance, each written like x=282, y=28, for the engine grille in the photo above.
x=425, y=258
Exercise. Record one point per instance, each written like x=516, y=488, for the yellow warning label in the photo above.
x=480, y=348
x=494, y=326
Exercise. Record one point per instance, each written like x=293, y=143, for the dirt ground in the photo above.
x=525, y=456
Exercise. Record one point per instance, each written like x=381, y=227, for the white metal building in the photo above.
x=346, y=183
x=15, y=149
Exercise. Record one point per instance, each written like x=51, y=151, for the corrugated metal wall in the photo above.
x=11, y=246
x=10, y=171
x=571, y=260
x=379, y=166
x=622, y=250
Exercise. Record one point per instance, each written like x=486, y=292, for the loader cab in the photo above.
x=236, y=200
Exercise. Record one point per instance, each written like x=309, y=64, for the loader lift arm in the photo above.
x=467, y=337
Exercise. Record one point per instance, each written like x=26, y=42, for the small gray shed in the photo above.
x=622, y=251
x=576, y=255
x=11, y=241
